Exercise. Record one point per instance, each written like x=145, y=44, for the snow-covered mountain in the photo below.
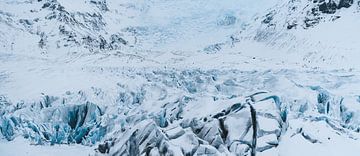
x=179, y=77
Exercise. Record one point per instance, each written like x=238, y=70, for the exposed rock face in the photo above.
x=57, y=26
x=276, y=26
x=310, y=13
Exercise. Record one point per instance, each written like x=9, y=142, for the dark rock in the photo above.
x=328, y=8
x=345, y=3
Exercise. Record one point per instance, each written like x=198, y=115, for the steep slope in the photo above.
x=311, y=34
x=59, y=28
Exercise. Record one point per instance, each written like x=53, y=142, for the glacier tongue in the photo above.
x=179, y=77
x=190, y=112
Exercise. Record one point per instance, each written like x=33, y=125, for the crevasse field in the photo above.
x=179, y=77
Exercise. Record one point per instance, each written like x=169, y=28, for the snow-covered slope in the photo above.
x=179, y=77
x=312, y=34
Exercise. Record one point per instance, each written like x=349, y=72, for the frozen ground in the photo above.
x=187, y=77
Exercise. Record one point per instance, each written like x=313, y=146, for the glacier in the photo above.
x=185, y=77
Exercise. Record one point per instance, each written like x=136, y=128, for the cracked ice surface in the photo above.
x=184, y=77
x=191, y=111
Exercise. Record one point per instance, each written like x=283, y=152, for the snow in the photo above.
x=331, y=143
x=183, y=25
x=22, y=147
x=166, y=89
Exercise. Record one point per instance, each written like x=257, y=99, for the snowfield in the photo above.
x=184, y=77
